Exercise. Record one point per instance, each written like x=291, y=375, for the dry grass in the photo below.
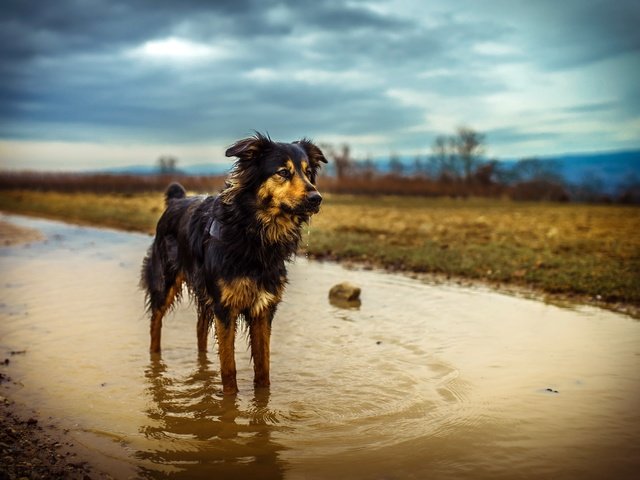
x=104, y=183
x=569, y=249
x=559, y=248
x=134, y=212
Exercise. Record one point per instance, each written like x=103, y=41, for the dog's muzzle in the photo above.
x=312, y=202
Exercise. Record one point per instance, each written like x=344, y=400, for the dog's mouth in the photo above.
x=305, y=209
x=312, y=209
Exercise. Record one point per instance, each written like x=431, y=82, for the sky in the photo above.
x=92, y=84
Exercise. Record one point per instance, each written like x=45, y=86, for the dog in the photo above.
x=231, y=250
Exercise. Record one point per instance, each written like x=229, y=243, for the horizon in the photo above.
x=116, y=85
x=573, y=163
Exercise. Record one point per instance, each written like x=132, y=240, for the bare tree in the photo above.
x=469, y=145
x=439, y=149
x=341, y=159
x=419, y=166
x=453, y=160
x=535, y=169
x=537, y=179
x=368, y=167
x=445, y=153
x=396, y=167
x=484, y=174
x=167, y=164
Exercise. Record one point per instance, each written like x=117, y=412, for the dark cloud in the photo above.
x=568, y=34
x=53, y=42
x=69, y=67
x=52, y=28
x=151, y=101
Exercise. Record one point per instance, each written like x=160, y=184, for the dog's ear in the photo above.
x=249, y=148
x=313, y=152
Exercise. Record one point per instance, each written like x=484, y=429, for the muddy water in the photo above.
x=421, y=381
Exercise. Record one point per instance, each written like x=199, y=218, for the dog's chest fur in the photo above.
x=245, y=293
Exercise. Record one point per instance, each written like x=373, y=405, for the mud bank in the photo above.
x=523, y=291
x=11, y=234
x=34, y=447
x=29, y=446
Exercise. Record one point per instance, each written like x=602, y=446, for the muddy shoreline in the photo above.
x=30, y=446
x=522, y=291
x=11, y=234
x=33, y=447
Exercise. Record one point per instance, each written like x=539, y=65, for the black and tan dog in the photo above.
x=231, y=250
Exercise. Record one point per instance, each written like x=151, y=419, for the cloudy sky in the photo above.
x=102, y=83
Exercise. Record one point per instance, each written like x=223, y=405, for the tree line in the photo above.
x=457, y=166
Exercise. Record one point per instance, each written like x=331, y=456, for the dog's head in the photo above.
x=280, y=176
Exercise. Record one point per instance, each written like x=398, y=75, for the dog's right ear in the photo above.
x=249, y=148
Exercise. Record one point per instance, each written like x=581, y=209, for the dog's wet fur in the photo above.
x=231, y=250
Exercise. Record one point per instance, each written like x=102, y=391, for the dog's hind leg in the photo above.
x=160, y=303
x=205, y=318
x=156, y=329
x=162, y=280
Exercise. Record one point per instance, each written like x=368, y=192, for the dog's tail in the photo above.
x=174, y=191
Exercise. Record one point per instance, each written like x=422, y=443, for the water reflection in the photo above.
x=196, y=432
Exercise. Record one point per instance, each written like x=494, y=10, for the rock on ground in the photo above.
x=345, y=295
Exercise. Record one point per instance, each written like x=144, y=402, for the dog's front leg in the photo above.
x=226, y=334
x=260, y=336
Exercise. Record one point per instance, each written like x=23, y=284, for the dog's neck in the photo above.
x=273, y=237
x=279, y=229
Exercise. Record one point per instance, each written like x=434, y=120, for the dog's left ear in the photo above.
x=249, y=148
x=313, y=152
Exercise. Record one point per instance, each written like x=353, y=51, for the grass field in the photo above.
x=588, y=252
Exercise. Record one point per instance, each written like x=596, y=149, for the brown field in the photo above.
x=570, y=249
x=587, y=252
x=104, y=182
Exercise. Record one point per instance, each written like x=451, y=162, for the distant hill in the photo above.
x=131, y=170
x=604, y=170
x=611, y=168
x=196, y=170
x=207, y=169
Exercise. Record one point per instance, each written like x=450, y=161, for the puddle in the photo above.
x=421, y=381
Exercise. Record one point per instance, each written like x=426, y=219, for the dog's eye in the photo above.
x=284, y=173
x=308, y=173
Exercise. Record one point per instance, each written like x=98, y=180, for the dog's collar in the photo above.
x=214, y=228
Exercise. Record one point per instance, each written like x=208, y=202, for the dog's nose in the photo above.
x=314, y=199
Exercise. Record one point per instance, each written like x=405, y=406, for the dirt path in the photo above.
x=11, y=234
